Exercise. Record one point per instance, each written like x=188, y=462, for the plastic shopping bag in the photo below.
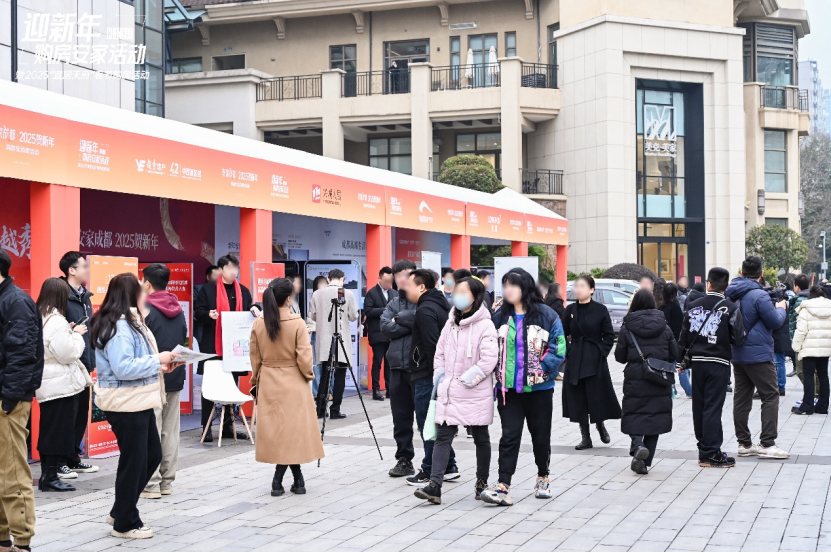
x=430, y=431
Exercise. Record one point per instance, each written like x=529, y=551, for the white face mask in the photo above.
x=462, y=301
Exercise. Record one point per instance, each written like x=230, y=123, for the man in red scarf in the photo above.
x=226, y=294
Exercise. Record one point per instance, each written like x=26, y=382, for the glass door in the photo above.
x=485, y=69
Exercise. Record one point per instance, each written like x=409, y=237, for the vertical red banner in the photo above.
x=261, y=275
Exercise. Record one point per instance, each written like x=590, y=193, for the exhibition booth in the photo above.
x=121, y=185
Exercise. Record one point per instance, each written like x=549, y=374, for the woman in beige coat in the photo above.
x=281, y=361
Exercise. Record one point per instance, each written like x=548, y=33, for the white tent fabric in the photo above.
x=493, y=65
x=469, y=66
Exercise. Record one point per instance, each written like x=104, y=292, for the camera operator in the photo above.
x=326, y=325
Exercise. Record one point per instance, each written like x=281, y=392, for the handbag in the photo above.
x=655, y=370
x=686, y=359
x=431, y=431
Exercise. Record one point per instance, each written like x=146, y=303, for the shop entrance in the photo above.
x=664, y=249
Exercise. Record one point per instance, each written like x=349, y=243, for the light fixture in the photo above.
x=760, y=201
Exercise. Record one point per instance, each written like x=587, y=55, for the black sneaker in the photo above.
x=781, y=391
x=452, y=473
x=82, y=467
x=479, y=487
x=66, y=474
x=430, y=492
x=756, y=395
x=403, y=468
x=719, y=460
x=420, y=479
x=729, y=389
x=640, y=455
x=335, y=415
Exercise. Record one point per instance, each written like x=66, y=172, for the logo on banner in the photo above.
x=140, y=165
x=660, y=136
x=423, y=206
x=316, y=194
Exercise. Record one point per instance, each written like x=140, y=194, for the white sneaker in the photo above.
x=499, y=495
x=541, y=490
x=142, y=533
x=65, y=474
x=150, y=495
x=749, y=451
x=772, y=452
x=110, y=520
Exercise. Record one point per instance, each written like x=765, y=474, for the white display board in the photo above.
x=432, y=261
x=236, y=339
x=502, y=265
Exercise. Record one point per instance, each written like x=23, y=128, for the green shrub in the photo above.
x=465, y=160
x=628, y=271
x=471, y=172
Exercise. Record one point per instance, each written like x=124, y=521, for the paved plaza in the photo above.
x=221, y=499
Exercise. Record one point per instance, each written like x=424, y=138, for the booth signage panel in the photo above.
x=432, y=261
x=100, y=438
x=502, y=265
x=236, y=340
x=492, y=222
x=261, y=276
x=181, y=286
x=407, y=209
x=544, y=230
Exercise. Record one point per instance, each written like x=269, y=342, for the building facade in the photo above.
x=810, y=81
x=662, y=129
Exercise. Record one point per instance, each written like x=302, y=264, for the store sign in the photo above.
x=492, y=222
x=659, y=130
x=407, y=209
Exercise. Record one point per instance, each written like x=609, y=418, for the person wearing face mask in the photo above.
x=465, y=358
x=531, y=349
x=447, y=284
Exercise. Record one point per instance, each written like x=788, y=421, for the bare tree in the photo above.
x=815, y=180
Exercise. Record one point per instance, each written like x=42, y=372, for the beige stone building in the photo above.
x=661, y=128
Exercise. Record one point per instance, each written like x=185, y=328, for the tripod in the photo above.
x=336, y=346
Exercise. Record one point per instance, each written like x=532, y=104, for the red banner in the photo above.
x=261, y=275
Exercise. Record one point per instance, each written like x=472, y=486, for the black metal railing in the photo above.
x=542, y=181
x=459, y=77
x=297, y=87
x=539, y=75
x=367, y=83
x=783, y=97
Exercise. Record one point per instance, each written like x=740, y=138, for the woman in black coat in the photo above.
x=588, y=392
x=647, y=407
x=554, y=300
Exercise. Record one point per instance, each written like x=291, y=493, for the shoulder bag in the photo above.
x=655, y=371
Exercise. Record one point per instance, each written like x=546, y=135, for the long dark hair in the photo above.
x=816, y=292
x=279, y=290
x=54, y=294
x=658, y=292
x=122, y=296
x=478, y=291
x=531, y=297
x=641, y=301
x=670, y=293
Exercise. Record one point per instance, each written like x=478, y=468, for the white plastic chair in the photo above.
x=219, y=387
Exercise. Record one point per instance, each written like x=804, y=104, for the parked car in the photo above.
x=616, y=301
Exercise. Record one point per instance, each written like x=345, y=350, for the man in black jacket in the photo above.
x=211, y=275
x=79, y=307
x=374, y=304
x=397, y=325
x=711, y=326
x=21, y=370
x=430, y=317
x=205, y=312
x=166, y=320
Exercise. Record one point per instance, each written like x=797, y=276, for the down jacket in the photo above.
x=64, y=374
x=812, y=337
x=470, y=343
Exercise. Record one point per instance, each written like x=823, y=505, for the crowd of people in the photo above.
x=439, y=338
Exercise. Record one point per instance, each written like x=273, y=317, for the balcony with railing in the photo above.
x=463, y=77
x=297, y=87
x=541, y=181
x=539, y=75
x=780, y=107
x=784, y=97
x=369, y=83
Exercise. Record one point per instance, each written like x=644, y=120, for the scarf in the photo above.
x=222, y=304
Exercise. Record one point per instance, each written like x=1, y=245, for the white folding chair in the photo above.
x=219, y=387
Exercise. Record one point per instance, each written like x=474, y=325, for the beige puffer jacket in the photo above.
x=63, y=373
x=812, y=337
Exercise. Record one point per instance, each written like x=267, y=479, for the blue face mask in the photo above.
x=461, y=302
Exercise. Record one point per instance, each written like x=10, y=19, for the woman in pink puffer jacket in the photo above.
x=466, y=356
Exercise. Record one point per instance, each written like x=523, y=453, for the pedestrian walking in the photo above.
x=588, y=393
x=531, y=348
x=554, y=299
x=674, y=316
x=647, y=407
x=712, y=324
x=21, y=369
x=698, y=291
x=281, y=365
x=375, y=303
x=801, y=287
x=465, y=359
x=812, y=342
x=318, y=283
x=753, y=366
x=128, y=389
x=166, y=320
x=64, y=377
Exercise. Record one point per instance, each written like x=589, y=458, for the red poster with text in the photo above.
x=100, y=438
x=261, y=275
x=181, y=286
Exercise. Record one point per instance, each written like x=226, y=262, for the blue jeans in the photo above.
x=684, y=381
x=781, y=372
x=423, y=390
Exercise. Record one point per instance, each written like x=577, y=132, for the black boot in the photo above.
x=586, y=442
x=209, y=437
x=49, y=481
x=277, y=483
x=604, y=434
x=299, y=485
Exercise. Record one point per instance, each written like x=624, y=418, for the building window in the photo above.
x=404, y=53
x=781, y=221
x=393, y=154
x=776, y=165
x=344, y=57
x=485, y=50
x=150, y=33
x=510, y=44
x=486, y=144
x=186, y=65
x=226, y=63
x=770, y=54
x=436, y=158
x=455, y=51
x=552, y=44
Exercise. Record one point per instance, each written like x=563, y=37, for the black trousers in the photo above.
x=649, y=442
x=810, y=366
x=709, y=387
x=337, y=389
x=140, y=455
x=379, y=355
x=57, y=428
x=535, y=410
x=402, y=405
x=443, y=449
x=81, y=422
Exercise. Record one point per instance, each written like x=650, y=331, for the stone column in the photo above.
x=331, y=86
x=421, y=127
x=511, y=75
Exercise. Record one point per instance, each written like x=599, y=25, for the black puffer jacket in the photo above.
x=647, y=407
x=430, y=318
x=21, y=346
x=397, y=324
x=78, y=307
